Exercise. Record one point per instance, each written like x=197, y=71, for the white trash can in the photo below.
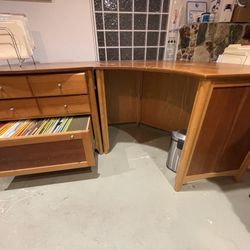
x=177, y=143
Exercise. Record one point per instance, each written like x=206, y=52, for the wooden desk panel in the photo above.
x=167, y=100
x=224, y=139
x=123, y=93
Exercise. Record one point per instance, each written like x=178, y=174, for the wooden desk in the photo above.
x=211, y=101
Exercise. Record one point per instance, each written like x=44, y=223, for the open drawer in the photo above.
x=48, y=152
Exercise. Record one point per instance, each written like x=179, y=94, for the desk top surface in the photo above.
x=201, y=70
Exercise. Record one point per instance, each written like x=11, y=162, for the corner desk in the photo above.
x=211, y=101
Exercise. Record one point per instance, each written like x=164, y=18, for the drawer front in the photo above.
x=46, y=153
x=18, y=109
x=45, y=157
x=14, y=87
x=58, y=84
x=67, y=105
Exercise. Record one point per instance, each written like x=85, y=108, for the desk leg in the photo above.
x=194, y=127
x=94, y=113
x=243, y=168
x=103, y=109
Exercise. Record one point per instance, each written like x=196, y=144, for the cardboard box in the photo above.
x=241, y=15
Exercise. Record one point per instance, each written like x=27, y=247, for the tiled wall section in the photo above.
x=205, y=42
x=131, y=29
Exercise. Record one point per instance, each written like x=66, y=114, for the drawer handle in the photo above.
x=12, y=109
x=59, y=85
x=1, y=88
x=65, y=106
x=72, y=137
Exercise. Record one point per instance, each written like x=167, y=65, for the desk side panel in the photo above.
x=224, y=139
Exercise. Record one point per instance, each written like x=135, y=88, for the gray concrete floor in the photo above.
x=128, y=202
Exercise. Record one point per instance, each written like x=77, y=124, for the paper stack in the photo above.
x=16, y=41
x=236, y=54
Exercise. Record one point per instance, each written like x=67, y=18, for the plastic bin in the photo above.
x=177, y=143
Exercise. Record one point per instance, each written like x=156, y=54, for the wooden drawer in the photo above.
x=58, y=84
x=49, y=152
x=67, y=105
x=14, y=87
x=18, y=109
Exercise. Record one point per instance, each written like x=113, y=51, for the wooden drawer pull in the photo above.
x=72, y=137
x=12, y=109
x=59, y=85
x=65, y=106
x=1, y=88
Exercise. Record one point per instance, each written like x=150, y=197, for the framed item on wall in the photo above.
x=194, y=9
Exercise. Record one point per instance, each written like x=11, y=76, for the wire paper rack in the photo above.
x=16, y=42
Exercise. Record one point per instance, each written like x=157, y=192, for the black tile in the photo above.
x=110, y=5
x=139, y=22
x=152, y=39
x=100, y=38
x=126, y=53
x=162, y=38
x=165, y=5
x=111, y=38
x=98, y=4
x=154, y=5
x=151, y=53
x=161, y=54
x=125, y=5
x=102, y=55
x=113, y=54
x=111, y=21
x=125, y=21
x=139, y=53
x=153, y=22
x=139, y=38
x=140, y=5
x=125, y=38
x=99, y=21
x=164, y=22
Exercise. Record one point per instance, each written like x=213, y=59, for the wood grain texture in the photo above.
x=14, y=87
x=44, y=169
x=167, y=100
x=224, y=139
x=18, y=109
x=42, y=154
x=64, y=105
x=34, y=139
x=244, y=166
x=102, y=109
x=122, y=95
x=87, y=141
x=45, y=153
x=200, y=70
x=195, y=177
x=94, y=112
x=58, y=84
x=199, y=109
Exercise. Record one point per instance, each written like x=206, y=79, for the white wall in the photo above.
x=62, y=29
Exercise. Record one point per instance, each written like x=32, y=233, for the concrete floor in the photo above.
x=126, y=203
